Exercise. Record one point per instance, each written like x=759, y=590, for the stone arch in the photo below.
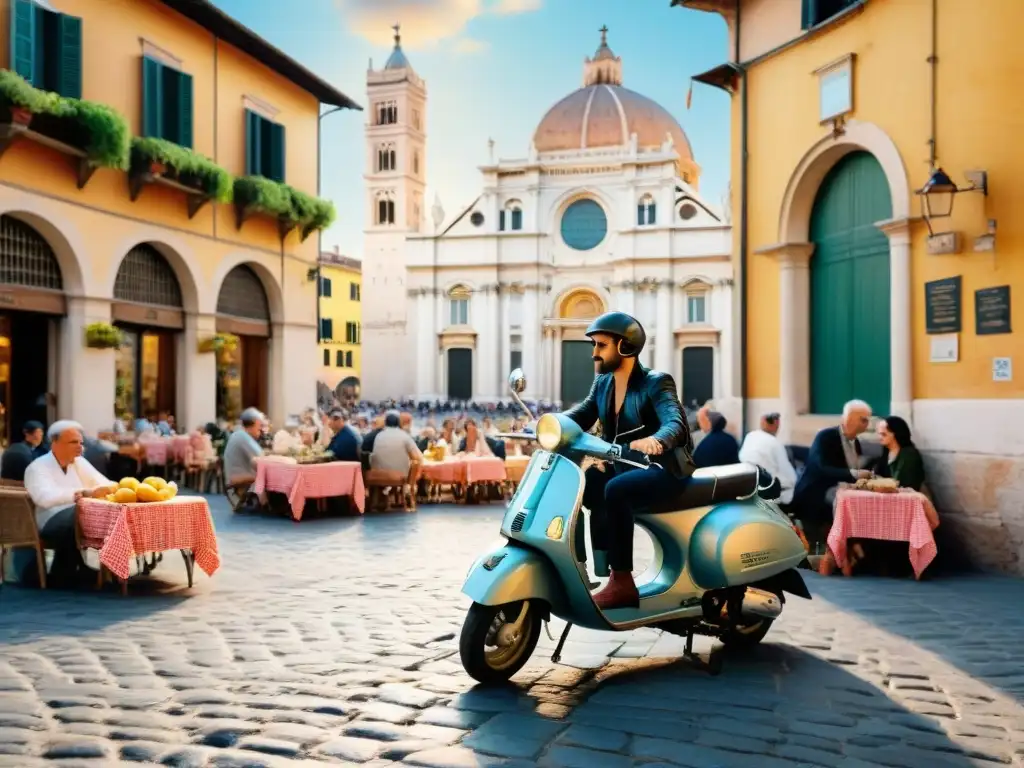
x=580, y=302
x=268, y=280
x=179, y=265
x=802, y=189
x=65, y=255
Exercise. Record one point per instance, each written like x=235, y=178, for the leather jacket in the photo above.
x=651, y=409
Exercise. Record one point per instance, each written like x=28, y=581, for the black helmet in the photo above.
x=625, y=328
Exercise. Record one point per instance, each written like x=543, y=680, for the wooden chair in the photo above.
x=386, y=490
x=18, y=526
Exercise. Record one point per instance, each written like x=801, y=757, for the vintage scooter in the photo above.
x=724, y=556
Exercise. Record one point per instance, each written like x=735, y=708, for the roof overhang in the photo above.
x=723, y=77
x=725, y=7
x=225, y=28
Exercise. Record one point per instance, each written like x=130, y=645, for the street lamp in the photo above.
x=320, y=232
x=939, y=191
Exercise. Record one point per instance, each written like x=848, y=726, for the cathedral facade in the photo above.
x=604, y=212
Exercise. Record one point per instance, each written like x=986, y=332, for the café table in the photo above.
x=124, y=532
x=299, y=481
x=903, y=516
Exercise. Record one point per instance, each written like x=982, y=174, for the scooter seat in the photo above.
x=710, y=486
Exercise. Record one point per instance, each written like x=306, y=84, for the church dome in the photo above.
x=605, y=114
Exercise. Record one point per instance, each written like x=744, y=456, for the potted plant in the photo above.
x=164, y=158
x=103, y=336
x=20, y=101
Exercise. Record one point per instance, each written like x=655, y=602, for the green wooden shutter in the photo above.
x=252, y=143
x=69, y=73
x=277, y=158
x=152, y=98
x=808, y=10
x=23, y=39
x=184, y=110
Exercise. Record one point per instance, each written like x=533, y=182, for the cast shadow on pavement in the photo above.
x=774, y=706
x=973, y=622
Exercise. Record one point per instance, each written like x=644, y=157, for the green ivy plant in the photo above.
x=96, y=129
x=284, y=202
x=103, y=336
x=185, y=166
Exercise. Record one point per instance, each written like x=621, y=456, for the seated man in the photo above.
x=345, y=443
x=834, y=458
x=55, y=482
x=395, y=460
x=763, y=448
x=242, y=448
x=18, y=456
x=718, y=448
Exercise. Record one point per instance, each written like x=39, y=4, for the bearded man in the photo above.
x=638, y=407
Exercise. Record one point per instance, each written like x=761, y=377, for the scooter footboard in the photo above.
x=511, y=573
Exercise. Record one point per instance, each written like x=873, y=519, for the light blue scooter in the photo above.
x=724, y=557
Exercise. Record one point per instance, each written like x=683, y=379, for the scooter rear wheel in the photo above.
x=746, y=636
x=487, y=656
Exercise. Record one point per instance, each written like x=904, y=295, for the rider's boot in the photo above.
x=601, y=569
x=619, y=592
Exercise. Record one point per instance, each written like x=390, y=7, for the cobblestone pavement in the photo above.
x=335, y=641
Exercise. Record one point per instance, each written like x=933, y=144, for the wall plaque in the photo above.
x=992, y=310
x=942, y=305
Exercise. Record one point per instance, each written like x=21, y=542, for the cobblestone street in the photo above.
x=335, y=641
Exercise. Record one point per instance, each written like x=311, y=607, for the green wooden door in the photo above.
x=850, y=313
x=577, y=371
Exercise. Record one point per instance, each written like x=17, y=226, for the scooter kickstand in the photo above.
x=557, y=655
x=713, y=666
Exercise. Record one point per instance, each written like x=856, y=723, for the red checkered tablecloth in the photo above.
x=311, y=481
x=123, y=531
x=465, y=469
x=888, y=516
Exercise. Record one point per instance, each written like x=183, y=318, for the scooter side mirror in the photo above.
x=517, y=381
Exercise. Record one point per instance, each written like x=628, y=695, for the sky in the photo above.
x=492, y=68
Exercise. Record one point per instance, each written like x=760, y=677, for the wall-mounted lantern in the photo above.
x=939, y=191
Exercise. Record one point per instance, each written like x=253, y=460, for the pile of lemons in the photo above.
x=130, y=490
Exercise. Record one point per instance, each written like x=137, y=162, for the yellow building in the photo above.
x=854, y=283
x=152, y=257
x=341, y=321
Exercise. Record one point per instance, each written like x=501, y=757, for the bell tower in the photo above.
x=395, y=185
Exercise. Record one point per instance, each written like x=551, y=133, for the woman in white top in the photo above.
x=475, y=444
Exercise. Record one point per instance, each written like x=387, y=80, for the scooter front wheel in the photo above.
x=497, y=640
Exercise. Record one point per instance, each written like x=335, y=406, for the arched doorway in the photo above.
x=576, y=310
x=149, y=311
x=31, y=296
x=850, y=297
x=243, y=315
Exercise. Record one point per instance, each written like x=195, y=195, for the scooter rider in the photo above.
x=639, y=405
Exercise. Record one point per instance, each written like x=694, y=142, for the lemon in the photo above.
x=146, y=492
x=125, y=496
x=156, y=482
x=128, y=482
x=172, y=489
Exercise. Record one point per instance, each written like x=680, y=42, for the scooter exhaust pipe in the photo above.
x=760, y=604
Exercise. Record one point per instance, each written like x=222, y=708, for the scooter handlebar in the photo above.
x=630, y=456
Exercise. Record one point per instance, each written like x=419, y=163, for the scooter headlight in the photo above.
x=549, y=432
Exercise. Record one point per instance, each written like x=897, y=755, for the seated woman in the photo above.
x=718, y=448
x=900, y=460
x=474, y=443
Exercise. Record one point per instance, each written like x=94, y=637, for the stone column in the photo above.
x=87, y=378
x=663, y=337
x=556, y=364
x=480, y=320
x=441, y=310
x=900, y=294
x=197, y=373
x=547, y=355
x=531, y=332
x=426, y=344
x=794, y=331
x=505, y=345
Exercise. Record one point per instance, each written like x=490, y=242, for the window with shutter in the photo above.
x=69, y=73
x=326, y=328
x=501, y=221
x=166, y=103
x=327, y=357
x=517, y=219
x=252, y=143
x=23, y=53
x=264, y=147
x=184, y=110
x=152, y=98
x=339, y=359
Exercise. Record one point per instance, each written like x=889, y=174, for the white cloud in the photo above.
x=506, y=7
x=424, y=22
x=470, y=45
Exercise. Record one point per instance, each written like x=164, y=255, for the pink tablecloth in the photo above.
x=889, y=516
x=311, y=481
x=122, y=531
x=465, y=470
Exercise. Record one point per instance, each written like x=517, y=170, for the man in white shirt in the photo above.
x=763, y=448
x=55, y=482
